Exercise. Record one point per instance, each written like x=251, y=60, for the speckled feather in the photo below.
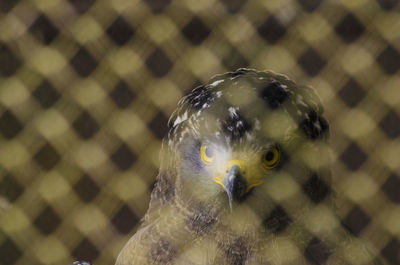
x=288, y=219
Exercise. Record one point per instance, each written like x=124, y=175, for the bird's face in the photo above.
x=233, y=169
x=220, y=166
x=219, y=171
x=239, y=170
x=233, y=148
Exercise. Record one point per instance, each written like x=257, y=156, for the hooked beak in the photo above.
x=238, y=180
x=235, y=184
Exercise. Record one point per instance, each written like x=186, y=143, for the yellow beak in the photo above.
x=238, y=179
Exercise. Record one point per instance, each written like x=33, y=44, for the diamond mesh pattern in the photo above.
x=87, y=86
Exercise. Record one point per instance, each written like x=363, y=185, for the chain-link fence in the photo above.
x=87, y=86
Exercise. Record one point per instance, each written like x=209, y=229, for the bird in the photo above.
x=245, y=178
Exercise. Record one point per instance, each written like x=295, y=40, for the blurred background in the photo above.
x=87, y=86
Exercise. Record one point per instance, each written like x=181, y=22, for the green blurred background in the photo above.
x=87, y=86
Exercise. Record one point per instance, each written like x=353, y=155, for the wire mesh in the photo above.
x=86, y=89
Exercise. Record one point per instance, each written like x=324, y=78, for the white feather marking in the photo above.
x=232, y=112
x=216, y=83
x=181, y=119
x=317, y=125
x=205, y=105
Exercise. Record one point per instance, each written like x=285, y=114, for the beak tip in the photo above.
x=235, y=185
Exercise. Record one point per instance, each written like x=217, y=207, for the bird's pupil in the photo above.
x=209, y=152
x=269, y=156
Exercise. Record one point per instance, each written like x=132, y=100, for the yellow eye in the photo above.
x=270, y=159
x=206, y=154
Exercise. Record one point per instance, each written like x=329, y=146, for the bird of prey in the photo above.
x=245, y=179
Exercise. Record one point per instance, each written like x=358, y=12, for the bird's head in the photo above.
x=248, y=137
